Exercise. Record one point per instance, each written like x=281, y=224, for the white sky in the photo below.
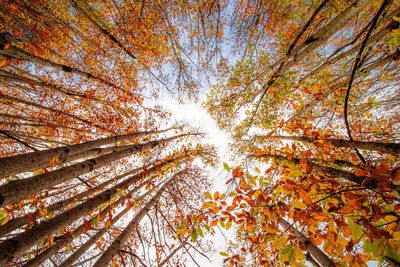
x=196, y=116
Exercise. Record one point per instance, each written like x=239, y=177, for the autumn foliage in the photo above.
x=94, y=172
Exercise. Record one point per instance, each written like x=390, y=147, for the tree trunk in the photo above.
x=71, y=116
x=84, y=247
x=326, y=32
x=58, y=206
x=29, y=161
x=374, y=38
x=15, y=52
x=19, y=189
x=59, y=244
x=100, y=28
x=319, y=96
x=349, y=176
x=108, y=255
x=389, y=148
x=165, y=261
x=22, y=242
x=314, y=251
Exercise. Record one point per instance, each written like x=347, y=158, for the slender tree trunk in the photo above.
x=390, y=148
x=29, y=161
x=58, y=206
x=65, y=240
x=374, y=38
x=84, y=248
x=19, y=189
x=349, y=176
x=22, y=242
x=326, y=31
x=314, y=251
x=108, y=255
x=15, y=52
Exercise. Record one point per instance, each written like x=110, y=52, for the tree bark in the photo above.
x=16, y=223
x=84, y=248
x=389, y=148
x=379, y=63
x=65, y=240
x=19, y=189
x=322, y=259
x=108, y=255
x=22, y=242
x=349, y=176
x=327, y=31
x=30, y=161
x=100, y=28
x=71, y=116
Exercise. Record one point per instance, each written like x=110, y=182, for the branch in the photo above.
x=356, y=65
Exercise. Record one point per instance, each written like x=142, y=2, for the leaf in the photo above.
x=391, y=252
x=226, y=167
x=4, y=62
x=216, y=195
x=298, y=204
x=108, y=223
x=54, y=161
x=208, y=195
x=4, y=217
x=237, y=172
x=228, y=225
x=305, y=196
x=223, y=254
x=194, y=235
x=87, y=225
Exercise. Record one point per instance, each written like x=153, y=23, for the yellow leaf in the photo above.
x=4, y=217
x=299, y=205
x=208, y=195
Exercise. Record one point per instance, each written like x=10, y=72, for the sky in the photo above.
x=196, y=116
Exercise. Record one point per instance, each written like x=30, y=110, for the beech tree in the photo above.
x=94, y=173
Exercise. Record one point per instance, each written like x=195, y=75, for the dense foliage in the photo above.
x=94, y=173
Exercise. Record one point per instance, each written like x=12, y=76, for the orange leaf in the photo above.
x=237, y=172
x=305, y=196
x=108, y=224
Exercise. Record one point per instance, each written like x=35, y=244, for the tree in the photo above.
x=94, y=172
x=329, y=192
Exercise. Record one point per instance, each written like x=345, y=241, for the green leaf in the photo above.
x=287, y=250
x=390, y=252
x=356, y=229
x=226, y=167
x=94, y=222
x=200, y=232
x=194, y=235
x=224, y=254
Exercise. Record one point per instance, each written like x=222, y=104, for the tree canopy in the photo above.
x=95, y=173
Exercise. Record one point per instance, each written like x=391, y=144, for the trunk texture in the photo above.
x=314, y=251
x=108, y=255
x=19, y=189
x=22, y=242
x=30, y=161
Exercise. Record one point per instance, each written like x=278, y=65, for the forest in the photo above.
x=97, y=170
